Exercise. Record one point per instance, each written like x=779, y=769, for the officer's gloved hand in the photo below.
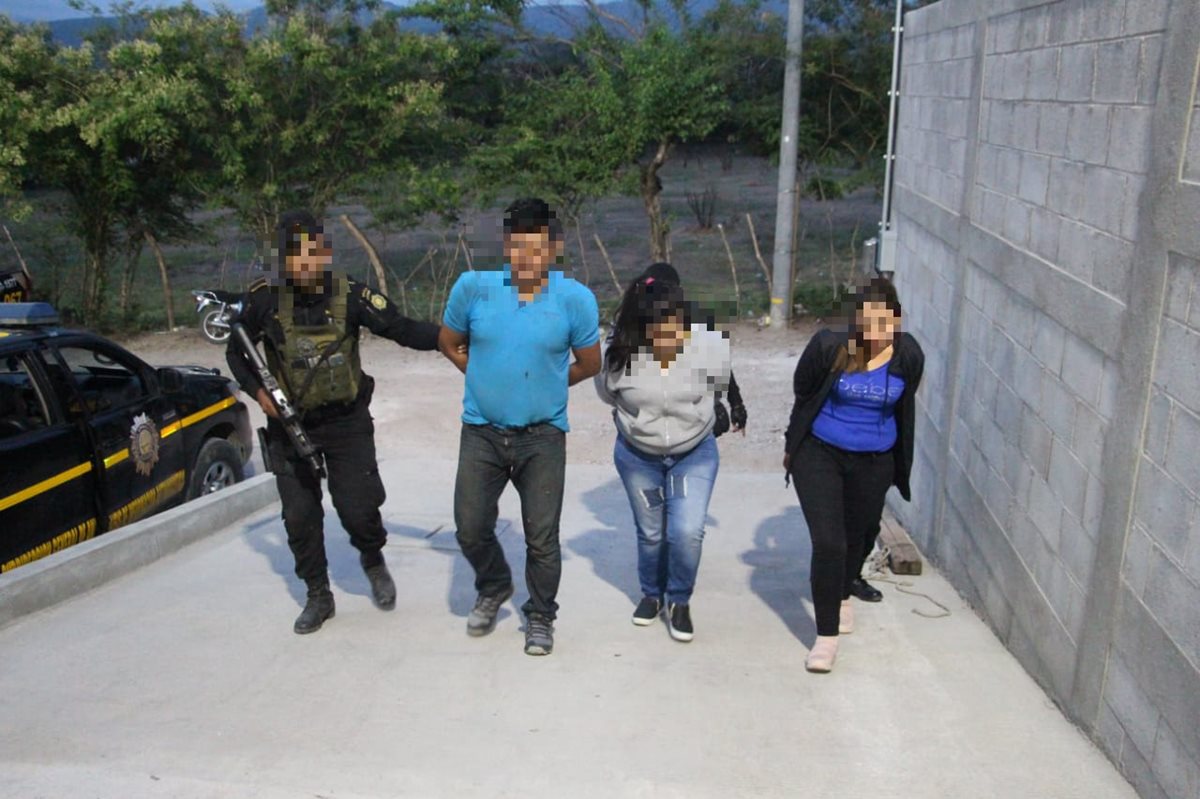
x=737, y=412
x=722, y=424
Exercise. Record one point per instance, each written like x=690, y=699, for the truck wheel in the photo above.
x=218, y=465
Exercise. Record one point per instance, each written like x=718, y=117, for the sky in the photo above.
x=47, y=10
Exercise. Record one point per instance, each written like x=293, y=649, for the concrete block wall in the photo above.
x=1048, y=209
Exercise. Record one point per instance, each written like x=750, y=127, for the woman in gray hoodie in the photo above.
x=661, y=372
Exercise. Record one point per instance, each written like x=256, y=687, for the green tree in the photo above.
x=329, y=91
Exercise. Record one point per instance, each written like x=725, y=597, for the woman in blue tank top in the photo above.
x=849, y=440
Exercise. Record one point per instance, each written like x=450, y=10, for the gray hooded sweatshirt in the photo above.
x=669, y=412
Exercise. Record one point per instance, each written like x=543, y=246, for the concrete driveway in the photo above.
x=184, y=679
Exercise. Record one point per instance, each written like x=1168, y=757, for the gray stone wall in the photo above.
x=1048, y=211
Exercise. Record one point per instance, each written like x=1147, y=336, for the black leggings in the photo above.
x=842, y=496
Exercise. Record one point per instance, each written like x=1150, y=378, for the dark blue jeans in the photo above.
x=535, y=460
x=669, y=497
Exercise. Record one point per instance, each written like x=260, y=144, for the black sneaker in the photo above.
x=679, y=622
x=483, y=616
x=647, y=611
x=539, y=635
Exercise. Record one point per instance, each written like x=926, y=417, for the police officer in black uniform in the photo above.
x=310, y=325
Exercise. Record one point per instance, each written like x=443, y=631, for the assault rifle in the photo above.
x=287, y=414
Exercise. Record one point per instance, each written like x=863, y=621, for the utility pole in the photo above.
x=781, y=289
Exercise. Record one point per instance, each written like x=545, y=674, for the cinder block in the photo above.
x=1004, y=33
x=1008, y=174
x=1101, y=20
x=1191, y=162
x=1131, y=208
x=1183, y=451
x=1181, y=285
x=1075, y=248
x=1093, y=506
x=1078, y=550
x=1048, y=343
x=1087, y=134
x=1135, y=566
x=1148, y=74
x=1016, y=222
x=1065, y=191
x=1104, y=198
x=1145, y=16
x=1076, y=73
x=1088, y=441
x=1158, y=427
x=1109, y=733
x=1117, y=65
x=1027, y=378
x=1177, y=768
x=1045, y=511
x=1035, y=442
x=1064, y=22
x=1135, y=766
x=1082, y=369
x=1053, y=122
x=1035, y=178
x=1164, y=508
x=1000, y=122
x=1132, y=706
x=1068, y=477
x=1129, y=146
x=1014, y=75
x=1173, y=600
x=1008, y=408
x=1045, y=228
x=1112, y=264
x=1058, y=407
x=1032, y=28
x=1025, y=125
x=1019, y=321
x=1180, y=373
x=1043, y=74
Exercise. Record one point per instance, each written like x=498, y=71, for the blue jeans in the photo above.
x=669, y=496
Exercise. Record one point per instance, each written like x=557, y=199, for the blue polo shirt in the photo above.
x=520, y=352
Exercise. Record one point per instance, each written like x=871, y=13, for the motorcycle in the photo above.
x=222, y=307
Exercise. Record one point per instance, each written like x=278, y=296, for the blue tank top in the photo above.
x=859, y=415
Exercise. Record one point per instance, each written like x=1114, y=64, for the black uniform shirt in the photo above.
x=364, y=308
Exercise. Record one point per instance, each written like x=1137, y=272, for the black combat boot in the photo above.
x=317, y=609
x=383, y=589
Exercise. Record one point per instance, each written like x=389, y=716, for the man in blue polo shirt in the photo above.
x=512, y=332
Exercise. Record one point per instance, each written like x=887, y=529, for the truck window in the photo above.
x=103, y=380
x=22, y=407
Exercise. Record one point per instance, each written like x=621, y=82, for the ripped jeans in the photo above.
x=669, y=498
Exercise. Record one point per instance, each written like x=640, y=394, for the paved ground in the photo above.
x=185, y=680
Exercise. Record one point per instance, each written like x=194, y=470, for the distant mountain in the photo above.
x=561, y=20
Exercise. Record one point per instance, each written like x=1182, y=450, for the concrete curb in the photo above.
x=85, y=566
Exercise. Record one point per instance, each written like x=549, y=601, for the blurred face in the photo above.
x=531, y=254
x=312, y=258
x=668, y=334
x=878, y=323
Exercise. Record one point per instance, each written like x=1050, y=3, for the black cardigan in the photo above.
x=815, y=377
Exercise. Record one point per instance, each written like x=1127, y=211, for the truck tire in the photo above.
x=218, y=465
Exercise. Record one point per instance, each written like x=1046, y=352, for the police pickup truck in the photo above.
x=92, y=438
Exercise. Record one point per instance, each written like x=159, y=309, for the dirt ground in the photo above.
x=418, y=396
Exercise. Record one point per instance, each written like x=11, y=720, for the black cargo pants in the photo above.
x=346, y=439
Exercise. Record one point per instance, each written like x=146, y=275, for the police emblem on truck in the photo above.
x=143, y=444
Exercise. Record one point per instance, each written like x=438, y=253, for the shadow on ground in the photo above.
x=779, y=563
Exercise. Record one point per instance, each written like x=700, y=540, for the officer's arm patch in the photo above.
x=378, y=301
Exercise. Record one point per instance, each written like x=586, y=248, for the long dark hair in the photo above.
x=653, y=296
x=854, y=355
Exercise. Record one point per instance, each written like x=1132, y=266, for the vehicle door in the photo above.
x=47, y=475
x=133, y=427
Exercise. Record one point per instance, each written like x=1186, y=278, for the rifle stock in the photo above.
x=287, y=413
